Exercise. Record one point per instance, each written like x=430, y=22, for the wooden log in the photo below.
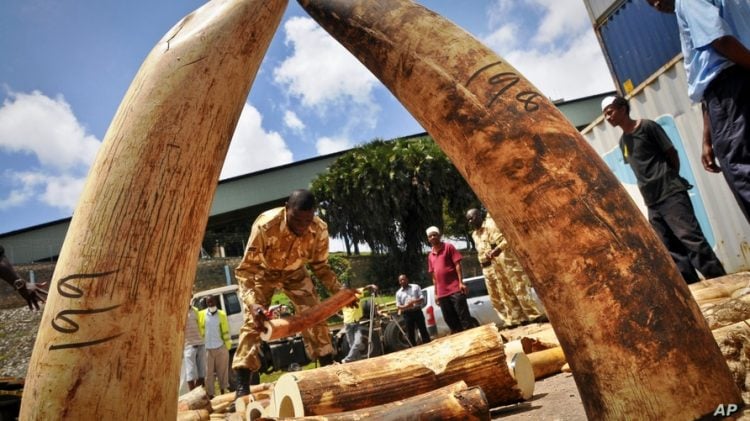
x=734, y=342
x=256, y=409
x=194, y=415
x=540, y=336
x=281, y=328
x=625, y=318
x=195, y=399
x=453, y=402
x=230, y=397
x=547, y=362
x=727, y=312
x=717, y=289
x=475, y=356
x=139, y=224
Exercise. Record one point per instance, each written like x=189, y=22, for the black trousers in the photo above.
x=415, y=320
x=674, y=221
x=456, y=312
x=728, y=102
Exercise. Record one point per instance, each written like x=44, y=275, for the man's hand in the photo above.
x=34, y=294
x=464, y=290
x=259, y=317
x=353, y=304
x=708, y=159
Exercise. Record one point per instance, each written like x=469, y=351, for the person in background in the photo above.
x=194, y=354
x=355, y=336
x=508, y=285
x=214, y=327
x=654, y=161
x=34, y=294
x=715, y=39
x=358, y=332
x=444, y=264
x=409, y=301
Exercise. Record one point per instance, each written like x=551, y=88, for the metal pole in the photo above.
x=228, y=275
x=372, y=317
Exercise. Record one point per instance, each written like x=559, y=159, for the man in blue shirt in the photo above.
x=715, y=36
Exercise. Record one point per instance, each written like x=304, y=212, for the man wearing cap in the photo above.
x=444, y=264
x=715, y=38
x=507, y=283
x=654, y=161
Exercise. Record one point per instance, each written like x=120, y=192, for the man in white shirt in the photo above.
x=214, y=327
x=409, y=301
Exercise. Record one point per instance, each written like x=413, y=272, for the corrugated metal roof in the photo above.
x=637, y=40
x=663, y=98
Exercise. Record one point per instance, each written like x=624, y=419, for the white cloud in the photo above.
x=326, y=145
x=46, y=130
x=292, y=121
x=505, y=37
x=564, y=59
x=561, y=17
x=63, y=191
x=252, y=148
x=578, y=72
x=320, y=71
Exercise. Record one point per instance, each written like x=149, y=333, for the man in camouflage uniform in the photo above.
x=507, y=284
x=282, y=241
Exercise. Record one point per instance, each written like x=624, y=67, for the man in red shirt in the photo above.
x=444, y=264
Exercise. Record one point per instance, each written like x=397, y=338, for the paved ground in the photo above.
x=555, y=398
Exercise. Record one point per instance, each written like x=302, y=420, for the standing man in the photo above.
x=34, y=294
x=356, y=339
x=282, y=241
x=214, y=327
x=194, y=354
x=715, y=38
x=409, y=301
x=654, y=161
x=507, y=283
x=444, y=264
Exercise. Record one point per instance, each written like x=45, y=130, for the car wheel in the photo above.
x=394, y=339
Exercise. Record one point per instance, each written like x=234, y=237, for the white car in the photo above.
x=477, y=298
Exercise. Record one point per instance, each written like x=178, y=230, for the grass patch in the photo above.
x=272, y=377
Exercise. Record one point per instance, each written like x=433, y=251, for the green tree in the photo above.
x=385, y=194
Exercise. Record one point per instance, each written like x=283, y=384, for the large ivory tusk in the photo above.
x=633, y=334
x=110, y=340
x=475, y=356
x=281, y=328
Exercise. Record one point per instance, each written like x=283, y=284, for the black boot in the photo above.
x=243, y=381
x=325, y=360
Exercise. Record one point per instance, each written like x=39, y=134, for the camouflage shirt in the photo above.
x=274, y=251
x=487, y=237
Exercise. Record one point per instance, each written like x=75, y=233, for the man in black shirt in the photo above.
x=654, y=161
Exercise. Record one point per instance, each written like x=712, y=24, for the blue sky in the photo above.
x=67, y=64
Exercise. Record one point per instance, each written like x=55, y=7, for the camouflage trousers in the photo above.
x=299, y=287
x=509, y=290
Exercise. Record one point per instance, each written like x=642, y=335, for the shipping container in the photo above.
x=636, y=40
